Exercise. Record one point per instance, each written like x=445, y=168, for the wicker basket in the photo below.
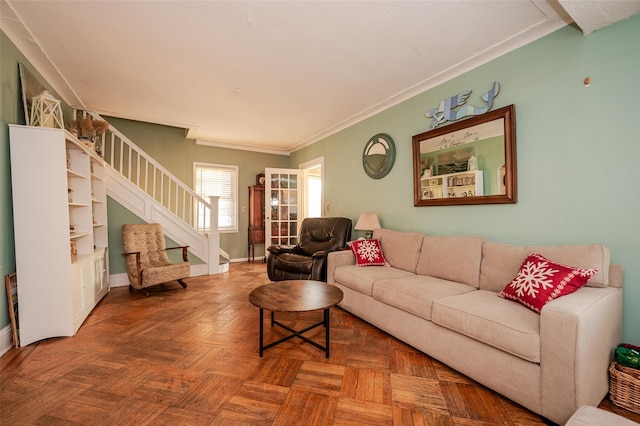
x=624, y=387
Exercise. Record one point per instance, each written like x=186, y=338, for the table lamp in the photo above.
x=368, y=221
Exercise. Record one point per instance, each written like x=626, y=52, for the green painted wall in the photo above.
x=578, y=152
x=169, y=147
x=11, y=112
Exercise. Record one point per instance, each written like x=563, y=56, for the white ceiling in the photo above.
x=273, y=76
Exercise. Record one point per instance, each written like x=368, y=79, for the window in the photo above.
x=220, y=180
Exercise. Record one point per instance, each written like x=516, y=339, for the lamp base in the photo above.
x=368, y=235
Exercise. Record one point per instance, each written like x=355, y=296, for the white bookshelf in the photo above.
x=59, y=199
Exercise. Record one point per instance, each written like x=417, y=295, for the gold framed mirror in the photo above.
x=468, y=162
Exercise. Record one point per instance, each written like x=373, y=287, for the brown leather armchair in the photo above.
x=307, y=259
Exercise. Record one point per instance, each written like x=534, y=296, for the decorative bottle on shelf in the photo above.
x=472, y=164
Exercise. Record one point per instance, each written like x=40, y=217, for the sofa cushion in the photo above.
x=401, y=249
x=540, y=281
x=494, y=321
x=592, y=416
x=368, y=252
x=451, y=258
x=362, y=279
x=501, y=262
x=415, y=294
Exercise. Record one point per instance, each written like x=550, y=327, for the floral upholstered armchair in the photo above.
x=146, y=257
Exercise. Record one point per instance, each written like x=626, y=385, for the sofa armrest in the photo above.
x=578, y=336
x=335, y=259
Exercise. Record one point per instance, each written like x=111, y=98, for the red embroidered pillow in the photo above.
x=368, y=253
x=540, y=280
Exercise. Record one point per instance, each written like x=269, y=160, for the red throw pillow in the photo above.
x=541, y=280
x=368, y=253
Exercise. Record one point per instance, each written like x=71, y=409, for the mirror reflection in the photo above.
x=469, y=162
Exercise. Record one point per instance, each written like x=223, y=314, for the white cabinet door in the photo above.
x=82, y=290
x=101, y=279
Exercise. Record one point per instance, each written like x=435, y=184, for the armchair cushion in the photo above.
x=165, y=272
x=294, y=263
x=317, y=240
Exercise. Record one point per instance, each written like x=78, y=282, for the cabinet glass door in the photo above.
x=283, y=206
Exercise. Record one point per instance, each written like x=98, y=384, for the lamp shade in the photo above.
x=46, y=111
x=368, y=221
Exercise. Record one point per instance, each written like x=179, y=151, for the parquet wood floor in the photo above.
x=190, y=357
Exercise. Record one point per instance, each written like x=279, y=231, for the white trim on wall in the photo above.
x=243, y=147
x=122, y=280
x=118, y=280
x=6, y=341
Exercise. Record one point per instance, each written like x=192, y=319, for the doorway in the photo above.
x=313, y=181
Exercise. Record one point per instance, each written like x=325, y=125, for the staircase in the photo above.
x=147, y=189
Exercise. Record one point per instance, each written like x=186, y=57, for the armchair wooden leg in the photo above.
x=143, y=290
x=182, y=283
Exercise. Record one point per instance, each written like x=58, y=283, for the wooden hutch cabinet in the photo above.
x=256, y=219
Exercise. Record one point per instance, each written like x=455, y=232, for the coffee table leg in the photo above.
x=272, y=318
x=326, y=330
x=261, y=330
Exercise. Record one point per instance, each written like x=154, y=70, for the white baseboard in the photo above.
x=199, y=270
x=257, y=259
x=122, y=280
x=118, y=280
x=6, y=341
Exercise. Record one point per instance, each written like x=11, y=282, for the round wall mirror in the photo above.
x=378, y=156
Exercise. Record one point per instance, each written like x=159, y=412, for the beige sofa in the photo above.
x=440, y=296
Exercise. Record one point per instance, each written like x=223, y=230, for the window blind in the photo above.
x=220, y=180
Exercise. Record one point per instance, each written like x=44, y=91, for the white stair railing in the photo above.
x=153, y=179
x=150, y=177
x=214, y=236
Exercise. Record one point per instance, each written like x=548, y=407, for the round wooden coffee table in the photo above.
x=295, y=296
